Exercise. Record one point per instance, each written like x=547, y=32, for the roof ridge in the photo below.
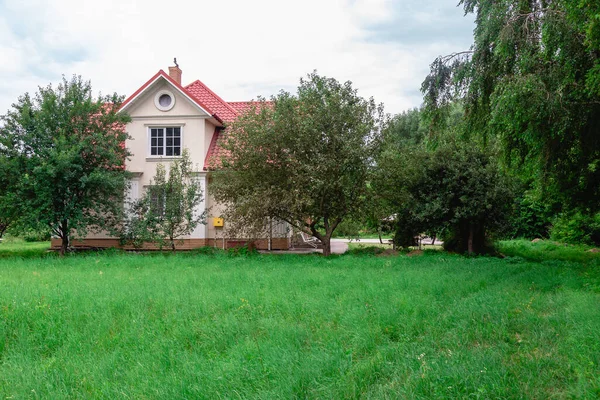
x=214, y=94
x=184, y=90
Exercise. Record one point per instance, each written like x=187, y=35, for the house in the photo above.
x=167, y=117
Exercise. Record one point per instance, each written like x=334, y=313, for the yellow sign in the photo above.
x=217, y=221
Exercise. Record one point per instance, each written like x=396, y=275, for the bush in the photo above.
x=36, y=236
x=348, y=228
x=577, y=227
x=457, y=189
x=249, y=249
x=529, y=219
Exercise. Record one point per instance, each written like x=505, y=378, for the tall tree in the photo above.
x=532, y=81
x=70, y=149
x=302, y=158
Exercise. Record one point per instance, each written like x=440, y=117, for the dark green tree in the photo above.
x=531, y=82
x=70, y=150
x=10, y=203
x=456, y=191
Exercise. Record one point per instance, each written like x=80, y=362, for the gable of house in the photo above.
x=195, y=100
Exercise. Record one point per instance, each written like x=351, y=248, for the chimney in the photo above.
x=175, y=72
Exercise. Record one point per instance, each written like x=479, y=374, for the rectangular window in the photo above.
x=165, y=141
x=157, y=201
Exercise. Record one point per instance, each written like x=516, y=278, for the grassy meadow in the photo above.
x=202, y=325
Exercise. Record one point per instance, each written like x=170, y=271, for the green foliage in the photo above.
x=348, y=229
x=243, y=251
x=302, y=158
x=10, y=203
x=577, y=227
x=139, y=224
x=66, y=148
x=455, y=190
x=168, y=210
x=530, y=218
x=531, y=84
x=461, y=193
x=36, y=236
x=405, y=129
x=114, y=325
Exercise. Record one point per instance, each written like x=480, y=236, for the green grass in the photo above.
x=548, y=250
x=117, y=325
x=361, y=246
x=15, y=247
x=365, y=236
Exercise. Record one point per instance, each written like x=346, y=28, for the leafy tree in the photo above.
x=69, y=150
x=462, y=193
x=456, y=190
x=576, y=227
x=139, y=224
x=402, y=134
x=532, y=81
x=10, y=204
x=303, y=159
x=168, y=209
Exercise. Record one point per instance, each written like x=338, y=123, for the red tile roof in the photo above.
x=216, y=104
x=243, y=106
x=215, y=151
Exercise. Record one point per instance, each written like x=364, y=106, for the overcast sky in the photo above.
x=239, y=48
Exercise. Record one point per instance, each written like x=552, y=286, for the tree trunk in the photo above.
x=327, y=246
x=64, y=230
x=172, y=244
x=470, y=241
x=3, y=228
x=380, y=240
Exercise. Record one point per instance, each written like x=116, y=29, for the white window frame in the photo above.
x=159, y=95
x=164, y=127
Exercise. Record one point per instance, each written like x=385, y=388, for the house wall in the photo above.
x=197, y=132
x=280, y=230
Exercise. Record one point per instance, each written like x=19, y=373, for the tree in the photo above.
x=10, y=204
x=303, y=159
x=168, y=210
x=456, y=191
x=531, y=81
x=403, y=134
x=69, y=147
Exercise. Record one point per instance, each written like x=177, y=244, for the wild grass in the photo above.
x=548, y=250
x=117, y=325
x=12, y=247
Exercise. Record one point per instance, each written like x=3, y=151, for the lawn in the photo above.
x=193, y=325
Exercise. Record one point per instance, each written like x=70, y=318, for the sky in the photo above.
x=241, y=49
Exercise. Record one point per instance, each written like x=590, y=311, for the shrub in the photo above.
x=576, y=227
x=529, y=219
x=348, y=228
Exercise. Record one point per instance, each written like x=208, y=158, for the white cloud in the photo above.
x=241, y=49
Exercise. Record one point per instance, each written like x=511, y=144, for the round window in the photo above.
x=164, y=100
